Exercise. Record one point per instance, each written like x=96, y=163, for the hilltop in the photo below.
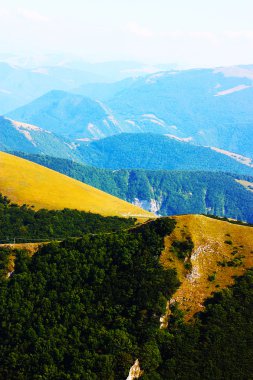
x=25, y=182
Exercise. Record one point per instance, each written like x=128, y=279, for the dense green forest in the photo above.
x=87, y=309
x=218, y=345
x=175, y=192
x=22, y=223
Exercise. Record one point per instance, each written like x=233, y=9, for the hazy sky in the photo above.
x=195, y=32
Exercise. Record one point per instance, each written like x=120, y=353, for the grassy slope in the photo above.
x=25, y=182
x=209, y=236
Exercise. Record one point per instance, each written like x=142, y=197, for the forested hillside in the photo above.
x=165, y=192
x=152, y=151
x=87, y=309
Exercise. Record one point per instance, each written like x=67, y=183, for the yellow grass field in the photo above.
x=215, y=242
x=25, y=182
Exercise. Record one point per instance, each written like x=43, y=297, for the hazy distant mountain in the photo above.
x=110, y=71
x=118, y=70
x=70, y=115
x=150, y=151
x=19, y=86
x=32, y=139
x=104, y=91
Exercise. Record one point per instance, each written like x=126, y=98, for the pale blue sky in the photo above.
x=195, y=32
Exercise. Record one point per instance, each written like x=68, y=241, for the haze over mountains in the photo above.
x=202, y=106
x=126, y=190
x=191, y=120
x=24, y=79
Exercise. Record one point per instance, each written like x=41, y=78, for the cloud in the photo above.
x=190, y=35
x=139, y=31
x=244, y=34
x=4, y=12
x=32, y=15
x=176, y=35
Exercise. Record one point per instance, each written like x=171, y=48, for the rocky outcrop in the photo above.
x=135, y=371
x=151, y=205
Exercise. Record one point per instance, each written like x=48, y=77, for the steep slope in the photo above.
x=209, y=107
x=165, y=192
x=32, y=139
x=27, y=183
x=70, y=115
x=207, y=254
x=150, y=151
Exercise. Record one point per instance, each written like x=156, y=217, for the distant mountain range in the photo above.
x=165, y=192
x=205, y=106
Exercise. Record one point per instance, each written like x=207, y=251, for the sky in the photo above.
x=188, y=32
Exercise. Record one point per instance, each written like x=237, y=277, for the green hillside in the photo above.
x=166, y=192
